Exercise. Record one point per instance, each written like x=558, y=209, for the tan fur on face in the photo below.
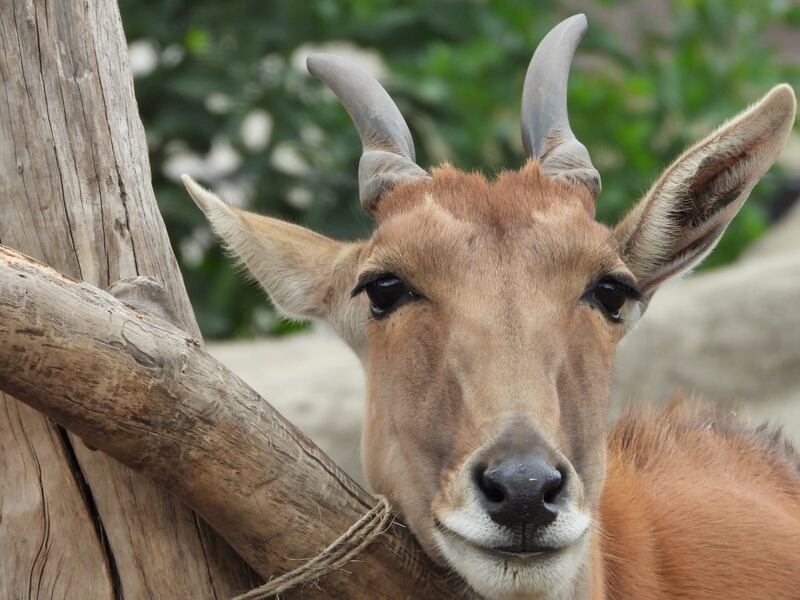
x=500, y=340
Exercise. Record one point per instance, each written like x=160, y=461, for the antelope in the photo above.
x=486, y=314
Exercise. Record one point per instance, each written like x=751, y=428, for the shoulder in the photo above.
x=687, y=429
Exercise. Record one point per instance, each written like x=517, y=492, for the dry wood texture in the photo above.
x=146, y=393
x=75, y=193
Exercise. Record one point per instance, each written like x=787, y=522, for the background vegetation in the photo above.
x=224, y=95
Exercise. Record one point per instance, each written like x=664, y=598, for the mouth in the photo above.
x=518, y=553
x=499, y=571
x=528, y=553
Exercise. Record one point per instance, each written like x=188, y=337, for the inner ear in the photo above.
x=685, y=213
x=717, y=185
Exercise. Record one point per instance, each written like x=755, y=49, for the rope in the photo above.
x=347, y=547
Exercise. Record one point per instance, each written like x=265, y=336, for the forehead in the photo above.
x=461, y=224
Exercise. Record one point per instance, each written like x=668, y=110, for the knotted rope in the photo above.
x=347, y=547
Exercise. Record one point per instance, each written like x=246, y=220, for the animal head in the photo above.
x=486, y=313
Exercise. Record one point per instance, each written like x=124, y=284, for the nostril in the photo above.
x=554, y=486
x=521, y=490
x=490, y=489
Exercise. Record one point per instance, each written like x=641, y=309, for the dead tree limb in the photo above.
x=146, y=393
x=75, y=193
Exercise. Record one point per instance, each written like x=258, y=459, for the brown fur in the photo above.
x=509, y=201
x=699, y=505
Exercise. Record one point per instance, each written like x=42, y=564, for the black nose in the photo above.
x=521, y=490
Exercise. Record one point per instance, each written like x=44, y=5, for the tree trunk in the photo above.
x=146, y=393
x=75, y=193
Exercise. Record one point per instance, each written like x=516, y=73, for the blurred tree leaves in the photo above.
x=226, y=97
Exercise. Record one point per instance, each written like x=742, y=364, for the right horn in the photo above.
x=388, y=156
x=546, y=133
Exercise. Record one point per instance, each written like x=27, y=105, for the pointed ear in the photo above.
x=684, y=214
x=305, y=274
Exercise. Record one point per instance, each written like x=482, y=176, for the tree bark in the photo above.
x=75, y=193
x=146, y=393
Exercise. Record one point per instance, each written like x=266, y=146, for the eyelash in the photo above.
x=386, y=293
x=602, y=291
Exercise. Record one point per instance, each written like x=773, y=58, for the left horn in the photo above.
x=388, y=156
x=546, y=133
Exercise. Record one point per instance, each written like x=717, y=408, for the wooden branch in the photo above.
x=75, y=193
x=147, y=393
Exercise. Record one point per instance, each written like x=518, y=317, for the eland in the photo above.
x=486, y=313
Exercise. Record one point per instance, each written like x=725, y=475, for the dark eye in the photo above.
x=610, y=295
x=387, y=293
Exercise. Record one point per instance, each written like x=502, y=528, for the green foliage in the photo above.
x=641, y=90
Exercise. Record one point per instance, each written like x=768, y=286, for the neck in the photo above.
x=625, y=524
x=679, y=495
x=621, y=525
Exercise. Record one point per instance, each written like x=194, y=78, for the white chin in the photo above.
x=493, y=576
